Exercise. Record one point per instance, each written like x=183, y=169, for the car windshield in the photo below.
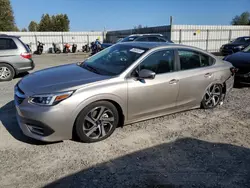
x=129, y=39
x=247, y=49
x=242, y=39
x=114, y=60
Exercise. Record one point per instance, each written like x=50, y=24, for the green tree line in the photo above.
x=243, y=19
x=59, y=22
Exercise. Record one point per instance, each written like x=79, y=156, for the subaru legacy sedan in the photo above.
x=125, y=83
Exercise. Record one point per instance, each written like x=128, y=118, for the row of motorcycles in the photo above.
x=67, y=48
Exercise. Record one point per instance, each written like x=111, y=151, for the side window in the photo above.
x=153, y=39
x=142, y=39
x=162, y=40
x=205, y=60
x=159, y=62
x=191, y=59
x=7, y=44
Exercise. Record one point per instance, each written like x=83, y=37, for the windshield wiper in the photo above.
x=90, y=68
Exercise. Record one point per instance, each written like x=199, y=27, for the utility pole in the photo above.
x=171, y=20
x=170, y=30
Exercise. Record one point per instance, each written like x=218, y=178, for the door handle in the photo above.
x=208, y=75
x=174, y=81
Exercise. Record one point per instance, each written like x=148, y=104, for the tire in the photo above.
x=87, y=49
x=7, y=73
x=96, y=122
x=212, y=97
x=58, y=51
x=40, y=52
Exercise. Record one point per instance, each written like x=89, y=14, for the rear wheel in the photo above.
x=212, y=96
x=97, y=122
x=6, y=72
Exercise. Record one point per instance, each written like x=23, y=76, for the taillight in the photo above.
x=26, y=55
x=233, y=70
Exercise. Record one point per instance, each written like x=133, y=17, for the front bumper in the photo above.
x=43, y=123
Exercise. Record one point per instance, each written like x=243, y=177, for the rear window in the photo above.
x=7, y=44
x=25, y=46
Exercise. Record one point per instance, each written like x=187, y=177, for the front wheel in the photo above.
x=212, y=96
x=97, y=122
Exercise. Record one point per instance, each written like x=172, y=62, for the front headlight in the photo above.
x=49, y=99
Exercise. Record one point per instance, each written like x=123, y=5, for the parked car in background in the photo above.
x=15, y=57
x=140, y=38
x=235, y=46
x=241, y=60
x=125, y=83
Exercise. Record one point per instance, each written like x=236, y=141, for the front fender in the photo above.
x=111, y=97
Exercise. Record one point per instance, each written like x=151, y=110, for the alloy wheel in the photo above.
x=98, y=122
x=213, y=95
x=5, y=73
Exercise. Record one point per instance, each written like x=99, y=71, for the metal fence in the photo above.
x=206, y=37
x=60, y=38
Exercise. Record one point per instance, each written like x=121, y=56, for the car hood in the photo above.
x=239, y=59
x=59, y=79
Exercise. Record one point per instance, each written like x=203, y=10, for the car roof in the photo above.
x=244, y=37
x=151, y=45
x=150, y=34
x=8, y=36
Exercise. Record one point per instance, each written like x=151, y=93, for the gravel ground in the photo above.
x=198, y=148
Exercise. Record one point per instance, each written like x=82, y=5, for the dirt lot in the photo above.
x=199, y=148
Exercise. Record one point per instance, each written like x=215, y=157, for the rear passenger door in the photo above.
x=195, y=75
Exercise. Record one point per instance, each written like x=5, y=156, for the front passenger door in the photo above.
x=151, y=97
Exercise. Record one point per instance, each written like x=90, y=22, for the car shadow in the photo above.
x=186, y=162
x=8, y=119
x=21, y=75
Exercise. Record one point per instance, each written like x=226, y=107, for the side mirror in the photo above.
x=146, y=74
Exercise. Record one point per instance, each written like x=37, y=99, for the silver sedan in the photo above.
x=125, y=83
